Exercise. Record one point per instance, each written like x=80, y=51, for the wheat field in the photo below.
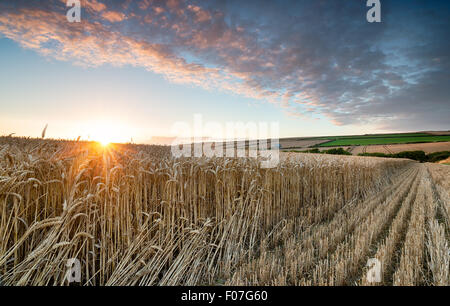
x=133, y=215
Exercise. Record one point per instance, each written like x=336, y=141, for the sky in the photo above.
x=132, y=69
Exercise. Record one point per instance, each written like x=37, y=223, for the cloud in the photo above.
x=200, y=14
x=112, y=16
x=312, y=58
x=93, y=5
x=93, y=44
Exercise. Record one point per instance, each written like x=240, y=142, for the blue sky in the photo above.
x=132, y=69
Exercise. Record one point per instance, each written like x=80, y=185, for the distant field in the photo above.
x=438, y=132
x=445, y=161
x=363, y=140
x=375, y=136
x=429, y=147
x=300, y=143
x=330, y=141
x=367, y=140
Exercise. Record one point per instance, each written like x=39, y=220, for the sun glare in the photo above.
x=104, y=136
x=104, y=143
x=106, y=133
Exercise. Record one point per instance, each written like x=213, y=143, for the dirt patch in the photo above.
x=445, y=161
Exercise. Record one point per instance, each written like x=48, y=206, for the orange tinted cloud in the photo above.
x=70, y=41
x=113, y=16
x=201, y=15
x=94, y=5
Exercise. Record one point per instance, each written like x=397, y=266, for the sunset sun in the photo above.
x=104, y=143
x=106, y=132
x=103, y=134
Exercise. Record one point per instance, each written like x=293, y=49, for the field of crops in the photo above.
x=363, y=141
x=133, y=215
x=429, y=147
x=375, y=136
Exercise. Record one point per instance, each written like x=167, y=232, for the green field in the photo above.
x=385, y=139
x=375, y=136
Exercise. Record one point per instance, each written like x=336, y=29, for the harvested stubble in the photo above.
x=133, y=215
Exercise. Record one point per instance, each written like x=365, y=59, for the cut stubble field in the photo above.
x=133, y=215
x=396, y=148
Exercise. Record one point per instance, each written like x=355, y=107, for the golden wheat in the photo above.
x=133, y=215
